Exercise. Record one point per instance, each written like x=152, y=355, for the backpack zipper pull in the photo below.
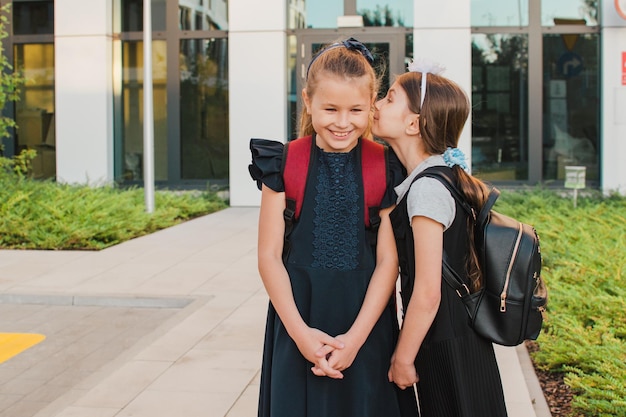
x=508, y=272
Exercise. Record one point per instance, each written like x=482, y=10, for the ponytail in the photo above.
x=475, y=193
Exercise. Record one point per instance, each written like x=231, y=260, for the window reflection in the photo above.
x=293, y=95
x=390, y=13
x=132, y=109
x=132, y=15
x=499, y=100
x=320, y=14
x=33, y=17
x=499, y=12
x=202, y=15
x=204, y=108
x=555, y=12
x=571, y=104
x=34, y=111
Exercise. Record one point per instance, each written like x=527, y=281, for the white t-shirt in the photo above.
x=427, y=196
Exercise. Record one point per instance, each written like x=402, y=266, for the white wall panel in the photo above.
x=256, y=15
x=441, y=14
x=442, y=34
x=257, y=86
x=613, y=110
x=82, y=18
x=83, y=92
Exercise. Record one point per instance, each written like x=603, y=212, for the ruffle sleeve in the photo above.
x=396, y=173
x=267, y=158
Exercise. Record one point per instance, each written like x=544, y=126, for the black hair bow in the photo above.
x=354, y=45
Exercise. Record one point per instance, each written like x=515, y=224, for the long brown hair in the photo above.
x=340, y=62
x=443, y=115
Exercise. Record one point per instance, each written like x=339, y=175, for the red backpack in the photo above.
x=296, y=161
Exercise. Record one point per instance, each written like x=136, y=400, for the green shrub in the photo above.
x=47, y=215
x=584, y=333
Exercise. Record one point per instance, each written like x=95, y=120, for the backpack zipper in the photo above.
x=503, y=295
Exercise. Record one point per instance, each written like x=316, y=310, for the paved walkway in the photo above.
x=169, y=324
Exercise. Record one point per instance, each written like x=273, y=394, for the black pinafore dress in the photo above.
x=458, y=372
x=330, y=261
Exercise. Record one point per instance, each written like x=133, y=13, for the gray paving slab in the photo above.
x=169, y=324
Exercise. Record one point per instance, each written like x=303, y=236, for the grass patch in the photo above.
x=47, y=215
x=584, y=254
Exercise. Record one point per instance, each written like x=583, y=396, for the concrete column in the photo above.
x=257, y=86
x=83, y=91
x=443, y=34
x=613, y=93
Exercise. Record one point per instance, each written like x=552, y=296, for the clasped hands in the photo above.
x=329, y=355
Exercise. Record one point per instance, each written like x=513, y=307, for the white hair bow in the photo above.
x=425, y=66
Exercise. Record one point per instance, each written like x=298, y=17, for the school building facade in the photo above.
x=547, y=80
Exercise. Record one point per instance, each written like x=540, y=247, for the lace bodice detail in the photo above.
x=336, y=221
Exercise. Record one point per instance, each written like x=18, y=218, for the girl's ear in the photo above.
x=413, y=124
x=307, y=101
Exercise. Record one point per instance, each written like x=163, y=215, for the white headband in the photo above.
x=425, y=66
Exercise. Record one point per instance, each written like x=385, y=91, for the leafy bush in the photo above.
x=10, y=81
x=47, y=215
x=584, y=334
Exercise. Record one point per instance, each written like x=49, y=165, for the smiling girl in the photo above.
x=331, y=324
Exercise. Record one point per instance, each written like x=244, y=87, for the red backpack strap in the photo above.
x=374, y=172
x=296, y=158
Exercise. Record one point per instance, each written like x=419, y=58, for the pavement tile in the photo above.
x=23, y=408
x=88, y=412
x=8, y=400
x=153, y=403
x=246, y=405
x=123, y=385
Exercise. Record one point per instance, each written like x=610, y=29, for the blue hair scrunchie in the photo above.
x=454, y=156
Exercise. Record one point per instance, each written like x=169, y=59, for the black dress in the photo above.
x=330, y=262
x=458, y=373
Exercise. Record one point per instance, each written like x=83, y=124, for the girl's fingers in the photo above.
x=323, y=369
x=324, y=351
x=331, y=341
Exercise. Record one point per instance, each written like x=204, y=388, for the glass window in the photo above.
x=34, y=111
x=202, y=15
x=33, y=17
x=204, y=108
x=500, y=101
x=132, y=110
x=393, y=13
x=317, y=14
x=555, y=12
x=571, y=104
x=499, y=12
x=296, y=14
x=132, y=15
x=293, y=95
x=322, y=14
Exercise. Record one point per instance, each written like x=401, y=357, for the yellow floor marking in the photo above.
x=13, y=343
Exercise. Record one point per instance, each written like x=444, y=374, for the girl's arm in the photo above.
x=278, y=286
x=377, y=297
x=424, y=302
